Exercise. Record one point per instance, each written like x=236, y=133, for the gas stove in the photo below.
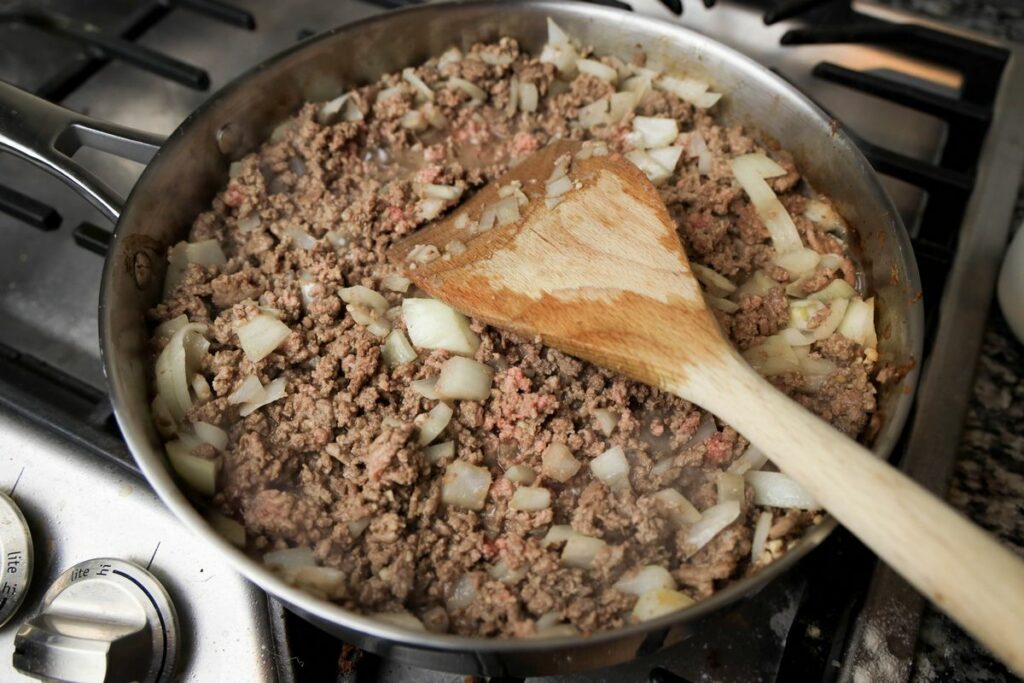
x=932, y=108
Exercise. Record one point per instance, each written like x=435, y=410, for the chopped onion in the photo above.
x=667, y=157
x=439, y=451
x=530, y=499
x=465, y=485
x=449, y=56
x=165, y=424
x=274, y=390
x=471, y=89
x=249, y=391
x=425, y=387
x=592, y=148
x=435, y=325
x=434, y=423
x=425, y=253
x=676, y=507
x=652, y=131
x=708, y=100
x=463, y=592
x=686, y=89
x=802, y=311
x=704, y=163
x=651, y=167
x=775, y=489
x=336, y=239
x=836, y=314
x=249, y=223
x=721, y=304
x=558, y=463
x=413, y=120
x=859, y=323
x=199, y=473
x=520, y=474
x=761, y=529
x=500, y=571
x=227, y=528
x=658, y=602
x=260, y=335
x=730, y=487
x=166, y=329
x=717, y=284
x=712, y=521
x=290, y=557
x=177, y=361
x=439, y=191
x=815, y=370
x=612, y=468
x=211, y=434
x=397, y=349
x=798, y=262
x=358, y=526
x=395, y=283
x=422, y=89
x=528, y=96
x=748, y=172
x=606, y=420
x=595, y=114
x=201, y=388
x=823, y=214
x=645, y=579
x=556, y=35
x=773, y=356
x=559, y=186
x=388, y=93
x=513, y=97
x=595, y=68
x=464, y=378
x=758, y=284
x=752, y=459
x=364, y=296
x=343, y=107
x=400, y=619
x=557, y=533
x=580, y=551
x=638, y=85
x=506, y=211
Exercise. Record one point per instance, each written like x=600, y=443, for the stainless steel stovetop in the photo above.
x=82, y=500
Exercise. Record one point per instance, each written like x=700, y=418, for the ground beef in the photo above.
x=336, y=466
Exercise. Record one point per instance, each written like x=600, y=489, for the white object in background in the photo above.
x=1010, y=290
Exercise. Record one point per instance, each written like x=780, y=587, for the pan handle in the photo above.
x=48, y=136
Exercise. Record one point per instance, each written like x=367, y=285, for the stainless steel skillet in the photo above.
x=186, y=171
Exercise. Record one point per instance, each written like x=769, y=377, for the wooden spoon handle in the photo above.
x=956, y=565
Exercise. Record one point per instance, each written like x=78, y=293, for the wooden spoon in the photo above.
x=602, y=276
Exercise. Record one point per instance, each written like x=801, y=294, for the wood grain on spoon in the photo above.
x=602, y=276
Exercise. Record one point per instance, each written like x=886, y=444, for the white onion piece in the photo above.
x=530, y=499
x=763, y=165
x=595, y=68
x=686, y=89
x=274, y=390
x=730, y=487
x=425, y=387
x=654, y=171
x=414, y=120
x=364, y=296
x=592, y=148
x=802, y=312
x=595, y=114
x=357, y=526
x=662, y=466
x=500, y=571
x=235, y=169
x=520, y=474
x=528, y=96
x=198, y=473
x=695, y=144
x=836, y=314
x=260, y=335
x=174, y=365
x=395, y=283
x=653, y=131
x=422, y=89
x=717, y=284
x=761, y=529
x=300, y=238
x=557, y=533
x=607, y=420
x=547, y=620
x=799, y=262
x=165, y=424
x=290, y=557
x=166, y=329
x=758, y=284
x=708, y=100
x=773, y=356
x=506, y=211
x=658, y=602
x=249, y=223
x=556, y=35
x=645, y=579
x=425, y=253
x=558, y=187
x=400, y=619
x=638, y=85
x=747, y=170
x=471, y=89
x=439, y=451
x=463, y=592
x=435, y=325
x=752, y=459
x=439, y=191
x=775, y=489
x=612, y=469
x=667, y=157
x=676, y=507
x=558, y=463
x=336, y=239
x=859, y=323
x=513, y=98
x=388, y=93
x=201, y=388
x=211, y=434
x=464, y=378
x=434, y=423
x=705, y=163
x=712, y=521
x=580, y=551
x=380, y=327
x=465, y=485
x=249, y=391
x=343, y=107
x=397, y=349
x=449, y=56
x=721, y=304
x=621, y=104
x=228, y=528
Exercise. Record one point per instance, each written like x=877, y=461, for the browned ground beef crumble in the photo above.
x=340, y=448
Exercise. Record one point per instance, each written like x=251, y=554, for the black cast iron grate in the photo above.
x=80, y=412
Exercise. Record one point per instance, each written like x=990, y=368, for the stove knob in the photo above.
x=102, y=621
x=16, y=558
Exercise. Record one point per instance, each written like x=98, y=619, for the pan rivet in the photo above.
x=142, y=269
x=229, y=137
